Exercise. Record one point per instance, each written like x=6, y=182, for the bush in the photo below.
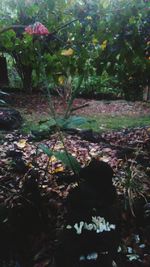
x=101, y=86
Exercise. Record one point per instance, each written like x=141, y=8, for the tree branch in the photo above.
x=13, y=27
x=65, y=25
x=79, y=107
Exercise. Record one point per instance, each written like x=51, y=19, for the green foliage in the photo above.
x=106, y=122
x=71, y=122
x=132, y=184
x=106, y=36
x=126, y=54
x=66, y=158
x=62, y=123
x=104, y=84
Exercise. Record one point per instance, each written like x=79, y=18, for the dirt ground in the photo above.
x=38, y=104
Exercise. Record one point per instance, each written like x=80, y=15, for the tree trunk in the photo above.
x=146, y=93
x=3, y=71
x=25, y=73
x=27, y=78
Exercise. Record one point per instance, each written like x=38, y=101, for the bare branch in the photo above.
x=13, y=27
x=79, y=107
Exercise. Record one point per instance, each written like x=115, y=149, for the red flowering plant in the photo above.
x=25, y=42
x=66, y=60
x=38, y=29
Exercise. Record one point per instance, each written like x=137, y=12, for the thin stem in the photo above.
x=68, y=110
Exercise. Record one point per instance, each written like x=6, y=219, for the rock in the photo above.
x=10, y=119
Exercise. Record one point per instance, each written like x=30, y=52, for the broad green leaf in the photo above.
x=46, y=150
x=71, y=122
x=60, y=122
x=66, y=158
x=75, y=121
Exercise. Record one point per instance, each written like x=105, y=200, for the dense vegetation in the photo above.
x=105, y=42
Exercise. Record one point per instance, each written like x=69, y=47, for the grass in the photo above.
x=96, y=123
x=105, y=123
x=32, y=123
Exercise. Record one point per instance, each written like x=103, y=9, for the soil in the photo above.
x=38, y=104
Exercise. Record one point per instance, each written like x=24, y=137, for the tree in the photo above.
x=105, y=35
x=22, y=47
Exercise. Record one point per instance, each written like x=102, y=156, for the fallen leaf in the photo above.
x=57, y=169
x=21, y=143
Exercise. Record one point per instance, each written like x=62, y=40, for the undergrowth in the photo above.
x=96, y=123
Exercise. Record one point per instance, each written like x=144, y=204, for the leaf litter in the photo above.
x=127, y=151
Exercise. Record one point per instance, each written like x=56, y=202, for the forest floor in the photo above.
x=103, y=115
x=127, y=151
x=38, y=103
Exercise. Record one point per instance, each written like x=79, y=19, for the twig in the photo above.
x=79, y=107
x=65, y=25
x=13, y=27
